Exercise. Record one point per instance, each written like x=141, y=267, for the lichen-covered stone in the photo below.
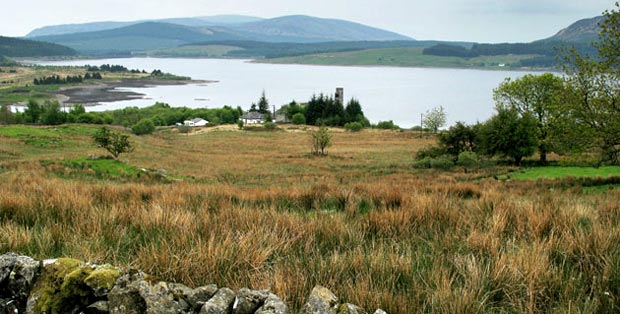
x=247, y=301
x=61, y=288
x=17, y=275
x=134, y=293
x=321, y=301
x=220, y=303
x=349, y=308
x=273, y=305
x=199, y=296
x=102, y=279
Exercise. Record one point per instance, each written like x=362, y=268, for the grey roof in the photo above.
x=253, y=115
x=197, y=120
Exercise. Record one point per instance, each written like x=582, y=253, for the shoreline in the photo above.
x=95, y=94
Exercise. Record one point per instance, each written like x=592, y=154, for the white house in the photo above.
x=196, y=122
x=253, y=117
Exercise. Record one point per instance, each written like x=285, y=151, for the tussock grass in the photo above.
x=260, y=213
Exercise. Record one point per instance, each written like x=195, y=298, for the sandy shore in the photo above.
x=90, y=95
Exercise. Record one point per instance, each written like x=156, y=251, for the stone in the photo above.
x=8, y=306
x=199, y=296
x=321, y=301
x=17, y=276
x=273, y=305
x=220, y=303
x=248, y=301
x=99, y=307
x=349, y=308
x=380, y=311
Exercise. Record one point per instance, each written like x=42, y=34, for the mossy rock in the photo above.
x=68, y=284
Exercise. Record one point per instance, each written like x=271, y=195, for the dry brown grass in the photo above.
x=263, y=213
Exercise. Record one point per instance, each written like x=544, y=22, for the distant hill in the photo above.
x=15, y=47
x=582, y=31
x=121, y=37
x=102, y=26
x=301, y=28
x=138, y=37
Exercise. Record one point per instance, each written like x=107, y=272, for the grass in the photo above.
x=565, y=172
x=257, y=210
x=194, y=51
x=401, y=57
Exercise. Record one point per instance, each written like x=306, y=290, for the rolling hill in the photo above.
x=138, y=37
x=102, y=26
x=15, y=47
x=582, y=31
x=146, y=36
x=302, y=28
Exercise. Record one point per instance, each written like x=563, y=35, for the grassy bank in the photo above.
x=401, y=57
x=256, y=209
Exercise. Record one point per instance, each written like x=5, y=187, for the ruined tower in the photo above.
x=340, y=95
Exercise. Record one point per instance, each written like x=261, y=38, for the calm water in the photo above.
x=399, y=94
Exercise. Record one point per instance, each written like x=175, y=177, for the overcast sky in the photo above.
x=466, y=20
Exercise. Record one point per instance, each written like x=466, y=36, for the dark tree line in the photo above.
x=57, y=80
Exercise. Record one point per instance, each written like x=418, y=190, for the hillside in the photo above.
x=138, y=37
x=14, y=47
x=301, y=28
x=131, y=37
x=102, y=26
x=582, y=31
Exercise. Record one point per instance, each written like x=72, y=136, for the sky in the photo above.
x=455, y=20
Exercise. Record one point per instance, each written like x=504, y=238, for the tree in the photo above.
x=51, y=114
x=460, y=138
x=321, y=140
x=299, y=118
x=353, y=111
x=32, y=112
x=591, y=113
x=114, y=143
x=435, y=119
x=144, y=126
x=6, y=115
x=539, y=96
x=263, y=104
x=510, y=134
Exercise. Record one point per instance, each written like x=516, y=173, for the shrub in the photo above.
x=299, y=118
x=321, y=139
x=468, y=160
x=270, y=125
x=353, y=126
x=442, y=162
x=184, y=129
x=240, y=124
x=387, y=125
x=430, y=152
x=144, y=126
x=113, y=142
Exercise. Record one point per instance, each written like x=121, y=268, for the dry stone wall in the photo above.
x=74, y=287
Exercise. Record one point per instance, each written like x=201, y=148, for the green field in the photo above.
x=209, y=51
x=565, y=172
x=400, y=57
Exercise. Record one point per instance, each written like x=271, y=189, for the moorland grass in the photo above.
x=257, y=210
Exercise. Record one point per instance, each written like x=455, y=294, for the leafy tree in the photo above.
x=51, y=114
x=144, y=126
x=299, y=118
x=592, y=111
x=33, y=111
x=539, y=96
x=510, y=134
x=114, y=143
x=435, y=119
x=460, y=138
x=321, y=140
x=353, y=126
x=387, y=125
x=292, y=109
x=6, y=116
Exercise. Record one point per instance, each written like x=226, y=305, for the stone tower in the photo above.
x=340, y=95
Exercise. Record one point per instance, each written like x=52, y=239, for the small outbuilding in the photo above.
x=253, y=117
x=196, y=122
